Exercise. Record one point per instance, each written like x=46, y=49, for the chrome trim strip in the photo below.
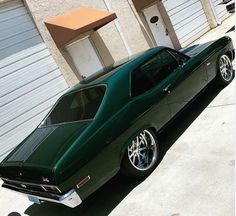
x=5, y=185
x=43, y=186
x=9, y=181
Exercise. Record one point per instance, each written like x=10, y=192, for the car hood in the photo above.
x=45, y=146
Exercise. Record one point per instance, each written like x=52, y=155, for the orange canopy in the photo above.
x=68, y=26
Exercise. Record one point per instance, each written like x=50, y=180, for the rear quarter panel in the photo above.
x=212, y=54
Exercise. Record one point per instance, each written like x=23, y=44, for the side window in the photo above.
x=168, y=65
x=179, y=57
x=140, y=82
x=152, y=72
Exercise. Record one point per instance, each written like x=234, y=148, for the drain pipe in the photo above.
x=118, y=27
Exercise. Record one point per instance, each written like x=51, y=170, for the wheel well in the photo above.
x=153, y=129
x=229, y=54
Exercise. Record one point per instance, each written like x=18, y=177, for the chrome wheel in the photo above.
x=142, y=152
x=226, y=68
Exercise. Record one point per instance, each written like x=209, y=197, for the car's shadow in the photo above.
x=104, y=200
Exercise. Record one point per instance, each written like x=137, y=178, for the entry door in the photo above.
x=157, y=26
x=85, y=57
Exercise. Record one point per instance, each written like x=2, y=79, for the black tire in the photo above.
x=225, y=72
x=145, y=150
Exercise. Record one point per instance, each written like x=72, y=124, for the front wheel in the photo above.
x=225, y=71
x=141, y=156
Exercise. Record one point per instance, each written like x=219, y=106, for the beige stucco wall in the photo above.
x=44, y=9
x=130, y=25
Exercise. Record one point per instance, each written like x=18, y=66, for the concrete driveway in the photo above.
x=195, y=176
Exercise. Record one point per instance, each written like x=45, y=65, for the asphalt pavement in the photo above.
x=194, y=178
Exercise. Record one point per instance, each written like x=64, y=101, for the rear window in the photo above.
x=76, y=106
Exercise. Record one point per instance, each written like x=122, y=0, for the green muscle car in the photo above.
x=110, y=121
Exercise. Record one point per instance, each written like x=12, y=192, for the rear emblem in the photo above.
x=20, y=174
x=45, y=179
x=24, y=186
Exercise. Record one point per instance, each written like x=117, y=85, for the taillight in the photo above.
x=83, y=182
x=51, y=189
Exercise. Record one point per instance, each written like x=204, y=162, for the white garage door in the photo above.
x=220, y=9
x=188, y=19
x=30, y=81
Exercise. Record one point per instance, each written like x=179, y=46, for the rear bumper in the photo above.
x=70, y=199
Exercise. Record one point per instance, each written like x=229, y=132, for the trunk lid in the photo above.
x=36, y=156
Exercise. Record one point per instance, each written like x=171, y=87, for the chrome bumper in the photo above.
x=70, y=199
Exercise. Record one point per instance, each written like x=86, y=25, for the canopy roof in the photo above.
x=68, y=26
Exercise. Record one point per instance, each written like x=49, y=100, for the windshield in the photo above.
x=76, y=106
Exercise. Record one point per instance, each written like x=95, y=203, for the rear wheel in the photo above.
x=225, y=71
x=141, y=156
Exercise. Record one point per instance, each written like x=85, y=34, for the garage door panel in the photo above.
x=11, y=5
x=194, y=33
x=7, y=128
x=11, y=14
x=13, y=22
x=44, y=65
x=220, y=9
x=171, y=5
x=21, y=45
x=23, y=90
x=20, y=56
x=35, y=110
x=30, y=101
x=18, y=38
x=21, y=64
x=189, y=5
x=25, y=75
x=15, y=30
x=26, y=115
x=186, y=13
x=17, y=135
x=188, y=19
x=30, y=81
x=192, y=26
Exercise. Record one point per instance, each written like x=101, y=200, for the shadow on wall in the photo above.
x=104, y=200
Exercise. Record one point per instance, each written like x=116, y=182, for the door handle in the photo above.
x=167, y=89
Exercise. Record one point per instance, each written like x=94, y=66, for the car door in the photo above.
x=186, y=80
x=148, y=101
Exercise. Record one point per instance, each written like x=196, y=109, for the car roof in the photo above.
x=121, y=69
